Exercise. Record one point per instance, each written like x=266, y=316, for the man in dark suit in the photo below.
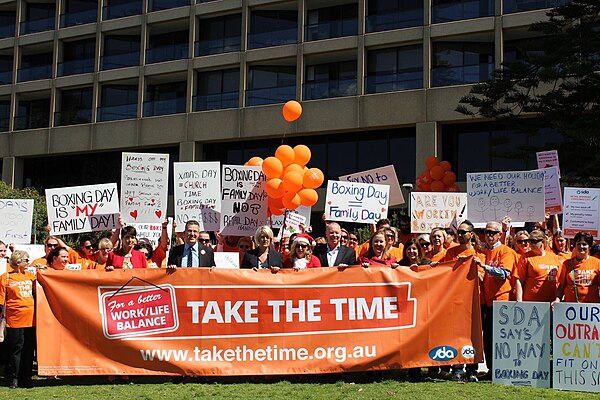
x=334, y=254
x=192, y=253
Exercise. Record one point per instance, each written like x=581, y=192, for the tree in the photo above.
x=558, y=82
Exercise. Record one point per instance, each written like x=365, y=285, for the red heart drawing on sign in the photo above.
x=152, y=200
x=131, y=199
x=158, y=213
x=383, y=210
x=133, y=214
x=329, y=202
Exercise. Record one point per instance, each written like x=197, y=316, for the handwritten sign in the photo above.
x=78, y=209
x=581, y=213
x=546, y=159
x=430, y=210
x=521, y=343
x=34, y=250
x=144, y=183
x=15, y=220
x=292, y=225
x=517, y=194
x=382, y=176
x=552, y=195
x=575, y=349
x=152, y=232
x=227, y=259
x=198, y=194
x=243, y=200
x=356, y=202
x=277, y=220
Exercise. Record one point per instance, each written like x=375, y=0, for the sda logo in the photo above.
x=468, y=352
x=582, y=192
x=443, y=353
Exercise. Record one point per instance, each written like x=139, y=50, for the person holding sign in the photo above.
x=579, y=278
x=379, y=252
x=191, y=253
x=333, y=253
x=300, y=256
x=263, y=256
x=126, y=257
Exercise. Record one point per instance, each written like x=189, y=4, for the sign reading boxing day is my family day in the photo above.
x=78, y=209
x=198, y=194
x=144, y=184
x=429, y=210
x=381, y=176
x=552, y=195
x=582, y=211
x=517, y=194
x=356, y=202
x=15, y=220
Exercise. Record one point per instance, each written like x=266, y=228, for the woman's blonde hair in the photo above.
x=260, y=231
x=17, y=256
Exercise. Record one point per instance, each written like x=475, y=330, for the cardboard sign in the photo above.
x=198, y=194
x=581, y=213
x=429, y=210
x=277, y=220
x=15, y=220
x=552, y=194
x=292, y=225
x=356, y=202
x=575, y=347
x=152, y=232
x=78, y=209
x=522, y=343
x=227, y=259
x=517, y=194
x=243, y=200
x=546, y=159
x=144, y=184
x=381, y=176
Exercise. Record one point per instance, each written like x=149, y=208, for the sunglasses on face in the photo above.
x=204, y=241
x=524, y=241
x=535, y=240
x=425, y=244
x=25, y=260
x=89, y=247
x=52, y=245
x=302, y=246
x=462, y=232
x=491, y=232
x=244, y=247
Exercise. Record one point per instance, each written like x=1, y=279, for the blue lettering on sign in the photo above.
x=443, y=353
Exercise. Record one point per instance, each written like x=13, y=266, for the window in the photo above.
x=168, y=46
x=7, y=24
x=393, y=14
x=398, y=68
x=39, y=17
x=219, y=35
x=4, y=115
x=330, y=22
x=121, y=8
x=330, y=80
x=118, y=102
x=35, y=67
x=32, y=114
x=167, y=98
x=454, y=10
x=217, y=90
x=6, y=69
x=78, y=57
x=456, y=63
x=272, y=28
x=512, y=6
x=76, y=107
x=121, y=51
x=268, y=85
x=79, y=12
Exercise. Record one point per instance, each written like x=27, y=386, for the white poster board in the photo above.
x=517, y=194
x=552, y=194
x=35, y=251
x=547, y=159
x=227, y=259
x=356, y=202
x=277, y=220
x=292, y=225
x=381, y=176
x=581, y=212
x=144, y=184
x=152, y=232
x=431, y=209
x=78, y=209
x=16, y=216
x=243, y=200
x=575, y=348
x=521, y=343
x=197, y=194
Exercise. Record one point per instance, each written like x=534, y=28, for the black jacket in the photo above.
x=250, y=260
x=345, y=255
x=206, y=260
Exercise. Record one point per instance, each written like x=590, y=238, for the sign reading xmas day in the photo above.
x=429, y=210
x=356, y=202
x=381, y=176
x=15, y=220
x=197, y=194
x=517, y=194
x=144, y=183
x=82, y=208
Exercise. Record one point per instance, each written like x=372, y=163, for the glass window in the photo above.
x=121, y=44
x=7, y=23
x=116, y=95
x=80, y=50
x=454, y=10
x=4, y=115
x=329, y=22
x=272, y=28
x=35, y=11
x=393, y=14
x=457, y=63
x=398, y=68
x=219, y=35
x=73, y=6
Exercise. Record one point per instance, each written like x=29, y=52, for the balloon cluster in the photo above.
x=438, y=177
x=289, y=181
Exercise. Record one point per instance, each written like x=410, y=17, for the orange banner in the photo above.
x=241, y=322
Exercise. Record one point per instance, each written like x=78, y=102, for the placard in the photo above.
x=356, y=202
x=547, y=159
x=277, y=220
x=144, y=184
x=382, y=176
x=292, y=225
x=517, y=194
x=35, y=251
x=430, y=209
x=581, y=212
x=198, y=194
x=243, y=200
x=15, y=220
x=227, y=259
x=521, y=343
x=552, y=194
x=152, y=232
x=575, y=348
x=78, y=209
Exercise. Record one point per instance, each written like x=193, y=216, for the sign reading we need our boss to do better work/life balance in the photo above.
x=356, y=202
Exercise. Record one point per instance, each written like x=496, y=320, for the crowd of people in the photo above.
x=535, y=265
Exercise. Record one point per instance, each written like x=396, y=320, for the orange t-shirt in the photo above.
x=77, y=258
x=586, y=274
x=493, y=288
x=20, y=307
x=158, y=256
x=564, y=255
x=438, y=256
x=539, y=276
x=454, y=252
x=40, y=261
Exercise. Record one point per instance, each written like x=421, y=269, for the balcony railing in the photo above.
x=120, y=10
x=327, y=89
x=217, y=46
x=394, y=82
x=30, y=122
x=124, y=60
x=79, y=17
x=332, y=29
x=34, y=73
x=74, y=67
x=273, y=38
x=395, y=20
x=513, y=6
x=216, y=101
x=7, y=31
x=164, y=107
x=459, y=10
x=5, y=78
x=73, y=117
x=447, y=76
x=167, y=53
x=257, y=97
x=37, y=25
x=157, y=5
x=114, y=113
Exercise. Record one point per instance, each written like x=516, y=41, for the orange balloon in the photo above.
x=308, y=197
x=449, y=178
x=291, y=200
x=276, y=211
x=431, y=161
x=426, y=179
x=302, y=154
x=313, y=178
x=292, y=110
x=285, y=154
x=272, y=167
x=437, y=186
x=254, y=162
x=436, y=172
x=425, y=187
x=293, y=167
x=275, y=202
x=454, y=188
x=274, y=188
x=292, y=181
x=445, y=165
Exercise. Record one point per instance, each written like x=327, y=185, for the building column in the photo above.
x=426, y=143
x=12, y=171
x=190, y=151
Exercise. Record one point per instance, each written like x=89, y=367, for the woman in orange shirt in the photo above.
x=438, y=239
x=560, y=246
x=579, y=278
x=17, y=293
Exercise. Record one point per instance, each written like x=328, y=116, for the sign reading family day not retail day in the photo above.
x=356, y=202
x=552, y=194
x=382, y=176
x=581, y=212
x=197, y=194
x=517, y=194
x=430, y=209
x=15, y=220
x=546, y=159
x=575, y=348
x=144, y=184
x=243, y=200
x=521, y=343
x=78, y=209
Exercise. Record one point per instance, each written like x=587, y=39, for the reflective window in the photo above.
x=6, y=69
x=456, y=63
x=78, y=57
x=512, y=6
x=79, y=12
x=384, y=15
x=268, y=85
x=398, y=68
x=7, y=23
x=39, y=17
x=217, y=90
x=330, y=22
x=330, y=80
x=32, y=114
x=121, y=51
x=219, y=35
x=4, y=115
x=118, y=102
x=454, y=10
x=272, y=28
x=35, y=67
x=166, y=98
x=168, y=46
x=75, y=107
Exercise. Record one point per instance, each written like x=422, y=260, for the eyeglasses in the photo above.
x=25, y=260
x=302, y=246
x=89, y=247
x=204, y=241
x=107, y=250
x=491, y=232
x=535, y=240
x=462, y=232
x=425, y=244
x=344, y=237
x=52, y=245
x=244, y=247
x=524, y=241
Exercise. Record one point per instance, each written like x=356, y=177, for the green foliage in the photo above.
x=40, y=218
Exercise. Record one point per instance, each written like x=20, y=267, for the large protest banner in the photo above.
x=200, y=321
x=429, y=210
x=198, y=194
x=144, y=184
x=552, y=193
x=582, y=211
x=522, y=343
x=380, y=176
x=78, y=209
x=356, y=202
x=576, y=347
x=243, y=200
x=16, y=216
x=517, y=194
